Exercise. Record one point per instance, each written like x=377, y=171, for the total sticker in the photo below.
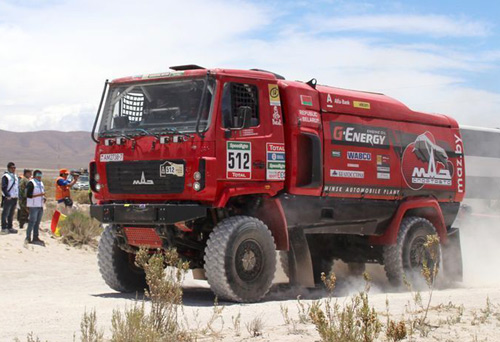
x=239, y=160
x=275, y=161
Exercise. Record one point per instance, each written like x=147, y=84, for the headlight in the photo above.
x=197, y=176
x=98, y=187
x=197, y=186
x=97, y=177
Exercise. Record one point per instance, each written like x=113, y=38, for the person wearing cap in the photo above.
x=23, y=211
x=10, y=193
x=63, y=195
x=35, y=193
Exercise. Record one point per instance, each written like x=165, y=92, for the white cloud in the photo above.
x=54, y=59
x=433, y=25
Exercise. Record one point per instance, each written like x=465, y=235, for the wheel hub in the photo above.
x=249, y=260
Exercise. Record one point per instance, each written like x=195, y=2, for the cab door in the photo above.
x=251, y=150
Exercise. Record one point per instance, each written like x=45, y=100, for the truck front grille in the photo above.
x=144, y=177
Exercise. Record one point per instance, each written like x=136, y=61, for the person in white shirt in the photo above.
x=35, y=193
x=10, y=193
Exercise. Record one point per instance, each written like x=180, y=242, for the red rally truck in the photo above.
x=228, y=166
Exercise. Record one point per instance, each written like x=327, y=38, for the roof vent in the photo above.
x=186, y=67
x=278, y=76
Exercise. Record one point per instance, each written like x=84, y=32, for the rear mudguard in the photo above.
x=452, y=256
x=299, y=259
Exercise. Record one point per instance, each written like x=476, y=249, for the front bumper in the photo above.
x=149, y=214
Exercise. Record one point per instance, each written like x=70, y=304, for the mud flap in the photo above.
x=452, y=256
x=299, y=259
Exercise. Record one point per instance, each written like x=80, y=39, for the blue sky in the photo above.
x=435, y=56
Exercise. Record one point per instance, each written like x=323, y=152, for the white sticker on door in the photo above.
x=275, y=161
x=239, y=160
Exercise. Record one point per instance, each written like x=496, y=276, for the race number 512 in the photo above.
x=239, y=160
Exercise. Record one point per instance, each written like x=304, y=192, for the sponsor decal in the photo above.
x=274, y=95
x=383, y=169
x=347, y=174
x=361, y=190
x=363, y=156
x=329, y=101
x=360, y=104
x=352, y=165
x=358, y=135
x=383, y=175
x=169, y=168
x=383, y=160
x=336, y=154
x=306, y=100
x=342, y=102
x=309, y=116
x=239, y=160
x=276, y=117
x=424, y=162
x=275, y=161
x=459, y=151
x=111, y=157
x=143, y=181
x=248, y=132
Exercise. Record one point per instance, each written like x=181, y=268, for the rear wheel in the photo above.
x=118, y=267
x=240, y=259
x=406, y=258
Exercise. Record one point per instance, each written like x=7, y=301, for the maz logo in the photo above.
x=143, y=181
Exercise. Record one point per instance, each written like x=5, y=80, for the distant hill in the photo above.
x=46, y=149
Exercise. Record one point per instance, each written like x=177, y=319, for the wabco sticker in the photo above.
x=275, y=161
x=239, y=160
x=424, y=163
x=306, y=100
x=363, y=156
x=111, y=157
x=358, y=135
x=347, y=174
x=169, y=168
x=274, y=95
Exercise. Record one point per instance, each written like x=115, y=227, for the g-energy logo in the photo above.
x=358, y=135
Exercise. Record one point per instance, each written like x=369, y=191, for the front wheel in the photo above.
x=118, y=267
x=240, y=259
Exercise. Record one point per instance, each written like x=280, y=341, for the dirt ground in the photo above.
x=45, y=290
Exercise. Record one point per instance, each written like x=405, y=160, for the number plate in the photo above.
x=111, y=157
x=239, y=160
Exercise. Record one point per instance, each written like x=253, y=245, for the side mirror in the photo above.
x=243, y=118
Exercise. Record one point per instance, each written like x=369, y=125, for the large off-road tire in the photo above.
x=405, y=258
x=117, y=266
x=240, y=259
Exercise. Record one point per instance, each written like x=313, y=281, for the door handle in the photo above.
x=259, y=164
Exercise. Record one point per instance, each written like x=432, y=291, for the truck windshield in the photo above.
x=154, y=107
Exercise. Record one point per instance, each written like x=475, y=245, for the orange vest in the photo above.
x=61, y=191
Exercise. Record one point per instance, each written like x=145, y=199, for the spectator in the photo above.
x=35, y=193
x=63, y=195
x=10, y=192
x=23, y=211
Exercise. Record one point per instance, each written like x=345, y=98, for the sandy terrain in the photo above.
x=45, y=290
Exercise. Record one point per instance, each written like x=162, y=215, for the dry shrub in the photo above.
x=255, y=327
x=355, y=321
x=80, y=229
x=88, y=328
x=80, y=196
x=161, y=323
